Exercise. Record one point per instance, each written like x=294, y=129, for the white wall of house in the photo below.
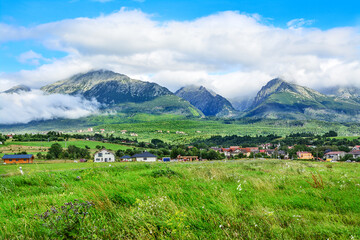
x=104, y=156
x=335, y=157
x=146, y=159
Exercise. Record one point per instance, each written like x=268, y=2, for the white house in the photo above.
x=145, y=157
x=335, y=156
x=104, y=156
x=355, y=153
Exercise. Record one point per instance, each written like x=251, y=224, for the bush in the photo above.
x=66, y=221
x=163, y=173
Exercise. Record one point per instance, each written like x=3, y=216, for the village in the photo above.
x=172, y=153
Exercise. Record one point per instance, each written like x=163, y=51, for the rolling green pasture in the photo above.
x=207, y=128
x=147, y=125
x=82, y=144
x=35, y=147
x=346, y=137
x=244, y=199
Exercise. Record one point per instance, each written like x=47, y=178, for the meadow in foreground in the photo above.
x=256, y=199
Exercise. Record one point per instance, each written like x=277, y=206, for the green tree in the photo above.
x=56, y=150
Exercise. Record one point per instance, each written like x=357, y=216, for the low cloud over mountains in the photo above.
x=23, y=107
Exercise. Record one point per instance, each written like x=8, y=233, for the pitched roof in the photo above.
x=356, y=152
x=144, y=154
x=17, y=156
x=125, y=157
x=334, y=153
x=104, y=149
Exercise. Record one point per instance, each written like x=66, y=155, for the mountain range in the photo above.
x=278, y=99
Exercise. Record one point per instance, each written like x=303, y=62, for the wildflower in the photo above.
x=221, y=226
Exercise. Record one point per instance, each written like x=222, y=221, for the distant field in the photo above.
x=13, y=169
x=82, y=144
x=147, y=126
x=166, y=130
x=12, y=147
x=348, y=138
x=244, y=199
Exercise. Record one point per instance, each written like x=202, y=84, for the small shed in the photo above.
x=23, y=158
x=126, y=158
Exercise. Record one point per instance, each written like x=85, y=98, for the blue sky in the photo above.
x=325, y=13
x=28, y=13
x=231, y=47
x=39, y=35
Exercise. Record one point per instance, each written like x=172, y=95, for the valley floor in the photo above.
x=242, y=199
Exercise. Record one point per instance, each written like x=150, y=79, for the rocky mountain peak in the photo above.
x=210, y=103
x=18, y=88
x=107, y=87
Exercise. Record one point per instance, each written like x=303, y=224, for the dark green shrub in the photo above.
x=163, y=173
x=66, y=221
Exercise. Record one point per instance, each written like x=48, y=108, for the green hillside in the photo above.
x=283, y=100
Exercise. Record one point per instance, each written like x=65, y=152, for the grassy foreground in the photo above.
x=256, y=199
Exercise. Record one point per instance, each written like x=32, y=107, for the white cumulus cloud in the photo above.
x=35, y=105
x=229, y=52
x=31, y=57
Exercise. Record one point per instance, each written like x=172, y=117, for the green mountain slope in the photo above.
x=282, y=100
x=120, y=94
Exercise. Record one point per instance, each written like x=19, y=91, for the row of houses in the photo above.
x=105, y=155
x=236, y=150
x=329, y=156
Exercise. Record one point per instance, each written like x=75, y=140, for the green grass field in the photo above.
x=82, y=144
x=148, y=125
x=207, y=128
x=244, y=199
x=12, y=147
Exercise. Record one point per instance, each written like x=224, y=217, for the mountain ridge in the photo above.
x=107, y=87
x=18, y=89
x=207, y=101
x=282, y=100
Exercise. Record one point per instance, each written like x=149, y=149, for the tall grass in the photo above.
x=249, y=199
